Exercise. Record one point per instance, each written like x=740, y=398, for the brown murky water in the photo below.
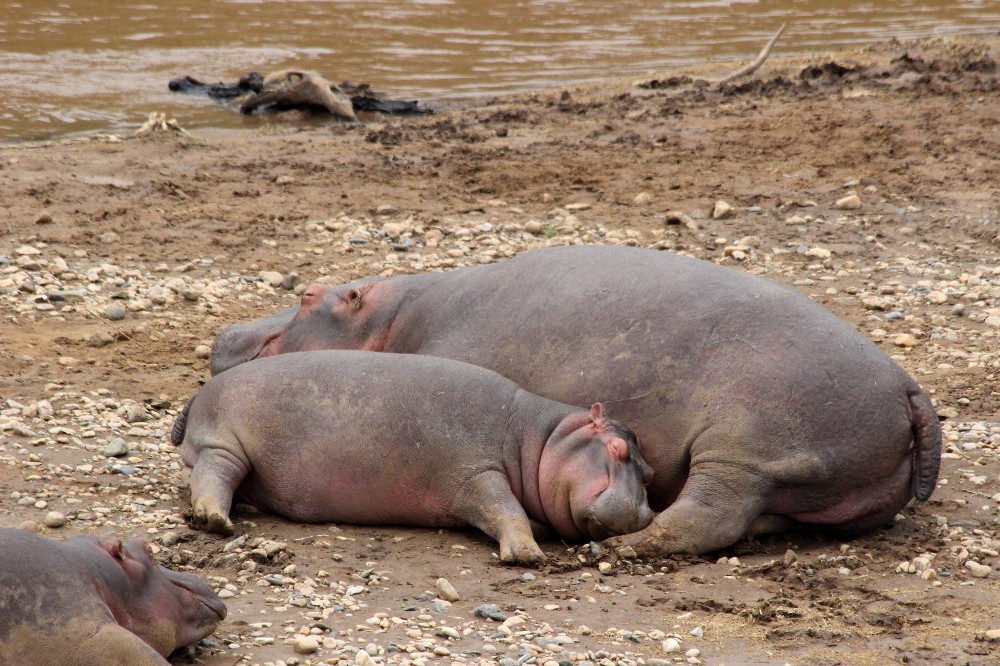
x=79, y=66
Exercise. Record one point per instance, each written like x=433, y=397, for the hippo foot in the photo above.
x=524, y=553
x=647, y=543
x=212, y=521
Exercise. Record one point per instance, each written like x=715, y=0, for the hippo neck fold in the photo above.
x=394, y=304
x=534, y=423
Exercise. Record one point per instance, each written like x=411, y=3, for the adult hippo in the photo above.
x=90, y=601
x=754, y=406
x=401, y=439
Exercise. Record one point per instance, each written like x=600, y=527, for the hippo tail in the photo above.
x=926, y=444
x=180, y=424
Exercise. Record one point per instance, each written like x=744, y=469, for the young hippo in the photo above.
x=372, y=438
x=95, y=602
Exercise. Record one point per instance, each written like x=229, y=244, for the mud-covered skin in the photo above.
x=751, y=401
x=369, y=438
x=95, y=602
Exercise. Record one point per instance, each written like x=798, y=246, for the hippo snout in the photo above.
x=613, y=514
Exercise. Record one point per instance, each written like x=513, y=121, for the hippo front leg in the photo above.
x=214, y=479
x=486, y=502
x=717, y=507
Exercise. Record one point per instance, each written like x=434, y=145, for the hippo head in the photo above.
x=166, y=609
x=592, y=478
x=326, y=318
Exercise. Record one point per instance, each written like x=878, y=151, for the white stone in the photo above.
x=446, y=590
x=722, y=210
x=850, y=202
x=671, y=646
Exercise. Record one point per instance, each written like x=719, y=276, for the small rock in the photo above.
x=116, y=448
x=642, y=199
x=697, y=632
x=100, y=339
x=490, y=612
x=43, y=218
x=534, y=227
x=385, y=209
x=722, y=210
x=27, y=251
x=306, y=644
x=114, y=312
x=604, y=567
x=284, y=180
x=850, y=202
x=677, y=217
x=109, y=238
x=290, y=281
x=271, y=278
x=790, y=557
x=671, y=646
x=446, y=590
x=362, y=658
x=203, y=351
x=992, y=634
x=978, y=570
x=937, y=297
x=54, y=519
x=626, y=552
x=904, y=340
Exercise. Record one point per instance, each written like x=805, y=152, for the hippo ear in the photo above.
x=115, y=549
x=353, y=298
x=617, y=449
x=597, y=412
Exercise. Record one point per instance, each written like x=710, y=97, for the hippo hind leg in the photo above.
x=214, y=479
x=718, y=505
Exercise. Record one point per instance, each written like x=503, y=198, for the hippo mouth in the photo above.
x=266, y=347
x=209, y=601
x=597, y=530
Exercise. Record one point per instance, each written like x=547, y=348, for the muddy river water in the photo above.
x=79, y=66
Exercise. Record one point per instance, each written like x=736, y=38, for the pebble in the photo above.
x=446, y=590
x=272, y=278
x=43, y=218
x=978, y=570
x=490, y=612
x=114, y=312
x=642, y=199
x=722, y=210
x=850, y=202
x=54, y=519
x=904, y=340
x=116, y=448
x=305, y=644
x=203, y=351
x=671, y=645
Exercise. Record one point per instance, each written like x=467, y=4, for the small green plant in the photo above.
x=550, y=231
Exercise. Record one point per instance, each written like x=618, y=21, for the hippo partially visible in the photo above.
x=755, y=407
x=414, y=440
x=89, y=601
